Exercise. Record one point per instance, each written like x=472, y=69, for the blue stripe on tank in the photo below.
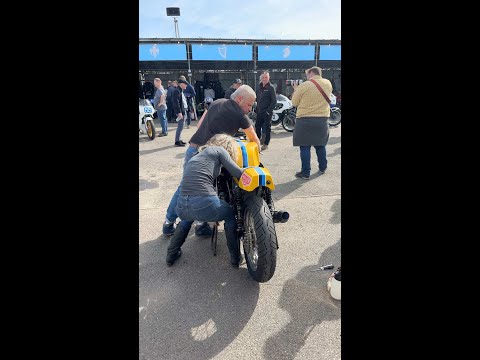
x=244, y=153
x=263, y=178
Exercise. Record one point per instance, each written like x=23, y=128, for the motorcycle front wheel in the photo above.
x=278, y=119
x=335, y=116
x=150, y=129
x=288, y=121
x=260, y=239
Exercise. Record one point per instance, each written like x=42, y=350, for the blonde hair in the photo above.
x=224, y=140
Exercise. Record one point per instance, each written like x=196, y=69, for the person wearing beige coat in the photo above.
x=311, y=127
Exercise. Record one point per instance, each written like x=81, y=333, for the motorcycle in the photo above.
x=335, y=112
x=145, y=118
x=283, y=113
x=335, y=118
x=255, y=214
x=201, y=107
x=335, y=115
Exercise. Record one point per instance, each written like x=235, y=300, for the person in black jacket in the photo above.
x=189, y=95
x=172, y=85
x=236, y=84
x=179, y=109
x=266, y=100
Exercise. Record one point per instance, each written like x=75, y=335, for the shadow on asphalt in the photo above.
x=334, y=140
x=146, y=152
x=282, y=190
x=280, y=132
x=336, y=209
x=146, y=184
x=337, y=151
x=197, y=307
x=308, y=303
x=144, y=138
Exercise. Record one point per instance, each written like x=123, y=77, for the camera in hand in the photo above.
x=292, y=82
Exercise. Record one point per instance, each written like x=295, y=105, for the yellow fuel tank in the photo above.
x=254, y=176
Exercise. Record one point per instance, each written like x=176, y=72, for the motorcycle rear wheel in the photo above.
x=335, y=117
x=260, y=239
x=288, y=121
x=150, y=129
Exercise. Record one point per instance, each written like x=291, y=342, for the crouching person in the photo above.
x=198, y=198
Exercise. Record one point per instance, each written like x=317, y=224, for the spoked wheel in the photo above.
x=200, y=108
x=288, y=122
x=260, y=239
x=335, y=117
x=150, y=129
x=278, y=119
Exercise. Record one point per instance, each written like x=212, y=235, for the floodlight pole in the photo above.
x=174, y=11
x=176, y=27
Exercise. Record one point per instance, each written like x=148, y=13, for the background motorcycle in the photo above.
x=335, y=112
x=200, y=108
x=335, y=118
x=145, y=118
x=282, y=112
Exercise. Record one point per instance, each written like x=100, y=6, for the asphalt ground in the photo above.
x=202, y=308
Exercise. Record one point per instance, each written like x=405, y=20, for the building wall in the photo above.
x=277, y=78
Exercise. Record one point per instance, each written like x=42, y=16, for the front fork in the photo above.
x=238, y=206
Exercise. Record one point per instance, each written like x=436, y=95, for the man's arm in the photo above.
x=163, y=99
x=252, y=135
x=177, y=109
x=201, y=119
x=273, y=100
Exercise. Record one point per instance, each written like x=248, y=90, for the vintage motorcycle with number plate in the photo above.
x=255, y=213
x=145, y=118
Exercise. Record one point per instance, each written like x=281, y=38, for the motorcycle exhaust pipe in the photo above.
x=280, y=216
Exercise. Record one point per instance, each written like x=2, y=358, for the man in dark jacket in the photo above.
x=170, y=88
x=266, y=101
x=179, y=109
x=236, y=84
x=189, y=95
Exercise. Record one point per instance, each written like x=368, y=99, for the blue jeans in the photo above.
x=209, y=208
x=163, y=120
x=179, y=128
x=171, y=213
x=204, y=208
x=305, y=158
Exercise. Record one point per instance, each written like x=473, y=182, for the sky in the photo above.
x=247, y=19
